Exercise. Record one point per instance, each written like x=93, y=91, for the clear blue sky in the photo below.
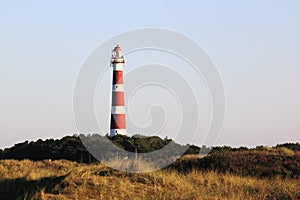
x=255, y=45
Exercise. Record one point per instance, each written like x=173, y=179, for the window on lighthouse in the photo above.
x=117, y=52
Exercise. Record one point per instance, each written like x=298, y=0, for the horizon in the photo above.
x=254, y=46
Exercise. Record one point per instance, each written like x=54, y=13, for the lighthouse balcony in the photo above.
x=117, y=60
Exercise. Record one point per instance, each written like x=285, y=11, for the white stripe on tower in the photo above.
x=117, y=121
x=113, y=132
x=118, y=66
x=117, y=110
x=118, y=88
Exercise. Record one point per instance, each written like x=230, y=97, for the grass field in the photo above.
x=63, y=179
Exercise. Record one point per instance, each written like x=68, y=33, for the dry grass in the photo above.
x=68, y=180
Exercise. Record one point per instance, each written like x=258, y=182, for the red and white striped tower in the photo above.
x=117, y=120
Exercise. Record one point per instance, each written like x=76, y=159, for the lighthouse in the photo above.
x=117, y=120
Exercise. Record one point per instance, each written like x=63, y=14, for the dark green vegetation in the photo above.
x=71, y=148
x=268, y=162
x=282, y=160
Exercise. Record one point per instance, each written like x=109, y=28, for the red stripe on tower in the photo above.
x=118, y=77
x=117, y=120
x=117, y=98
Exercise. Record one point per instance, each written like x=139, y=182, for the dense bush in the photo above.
x=247, y=163
x=291, y=146
x=71, y=147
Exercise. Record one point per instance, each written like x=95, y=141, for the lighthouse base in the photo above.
x=114, y=132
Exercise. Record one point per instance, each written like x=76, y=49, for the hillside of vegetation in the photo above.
x=282, y=160
x=258, y=162
x=71, y=147
x=63, y=179
x=64, y=169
